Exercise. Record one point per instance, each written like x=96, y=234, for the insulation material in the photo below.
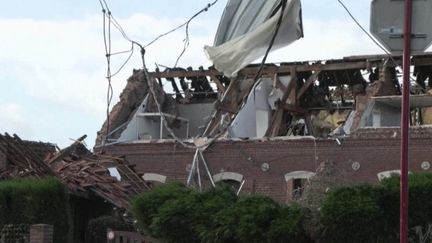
x=235, y=54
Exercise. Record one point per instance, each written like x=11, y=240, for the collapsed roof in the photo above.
x=83, y=173
x=287, y=99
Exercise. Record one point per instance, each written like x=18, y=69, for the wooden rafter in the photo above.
x=235, y=95
x=308, y=83
x=359, y=62
x=220, y=87
x=276, y=120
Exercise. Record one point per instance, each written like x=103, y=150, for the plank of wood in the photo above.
x=306, y=85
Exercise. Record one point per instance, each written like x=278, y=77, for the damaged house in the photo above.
x=269, y=136
x=268, y=128
x=98, y=185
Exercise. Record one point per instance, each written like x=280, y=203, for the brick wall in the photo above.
x=376, y=150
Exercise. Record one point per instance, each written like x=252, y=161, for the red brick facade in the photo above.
x=376, y=150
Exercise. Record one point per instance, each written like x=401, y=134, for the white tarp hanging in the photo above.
x=234, y=54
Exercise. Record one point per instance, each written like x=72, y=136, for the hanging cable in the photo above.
x=270, y=46
x=282, y=6
x=125, y=62
x=107, y=41
x=159, y=108
x=184, y=24
x=107, y=45
x=369, y=35
x=362, y=28
x=185, y=45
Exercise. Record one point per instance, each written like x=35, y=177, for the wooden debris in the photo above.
x=82, y=172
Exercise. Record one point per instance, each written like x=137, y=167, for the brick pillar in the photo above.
x=41, y=233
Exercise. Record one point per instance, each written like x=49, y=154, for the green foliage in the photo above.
x=419, y=204
x=175, y=213
x=352, y=214
x=257, y=219
x=36, y=202
x=146, y=206
x=371, y=213
x=288, y=226
x=97, y=228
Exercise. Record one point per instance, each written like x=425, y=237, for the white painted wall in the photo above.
x=149, y=127
x=254, y=118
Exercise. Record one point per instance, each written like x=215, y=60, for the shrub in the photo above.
x=97, y=227
x=352, y=214
x=248, y=220
x=36, y=202
x=419, y=204
x=289, y=225
x=146, y=206
x=371, y=213
x=175, y=213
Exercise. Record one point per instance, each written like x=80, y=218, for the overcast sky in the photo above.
x=52, y=57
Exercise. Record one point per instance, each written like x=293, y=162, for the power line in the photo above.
x=363, y=29
x=184, y=24
x=107, y=42
x=270, y=46
x=125, y=62
x=369, y=35
x=186, y=40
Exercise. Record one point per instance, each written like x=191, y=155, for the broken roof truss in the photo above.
x=296, y=95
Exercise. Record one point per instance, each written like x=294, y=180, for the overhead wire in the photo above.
x=107, y=41
x=182, y=25
x=125, y=62
x=186, y=39
x=363, y=29
x=185, y=45
x=369, y=35
x=282, y=7
x=107, y=45
x=270, y=46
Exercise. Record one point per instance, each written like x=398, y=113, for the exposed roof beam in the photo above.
x=361, y=62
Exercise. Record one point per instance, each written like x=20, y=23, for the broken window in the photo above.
x=295, y=182
x=295, y=188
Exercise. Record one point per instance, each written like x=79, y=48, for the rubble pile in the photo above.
x=85, y=174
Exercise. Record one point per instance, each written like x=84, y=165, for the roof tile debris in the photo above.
x=83, y=172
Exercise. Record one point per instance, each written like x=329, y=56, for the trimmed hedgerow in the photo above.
x=175, y=213
x=370, y=213
x=352, y=214
x=36, y=202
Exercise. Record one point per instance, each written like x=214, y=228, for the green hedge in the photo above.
x=175, y=213
x=257, y=219
x=368, y=213
x=360, y=213
x=353, y=214
x=36, y=202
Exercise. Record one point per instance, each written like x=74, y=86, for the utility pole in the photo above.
x=405, y=116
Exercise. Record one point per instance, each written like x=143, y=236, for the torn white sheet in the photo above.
x=233, y=55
